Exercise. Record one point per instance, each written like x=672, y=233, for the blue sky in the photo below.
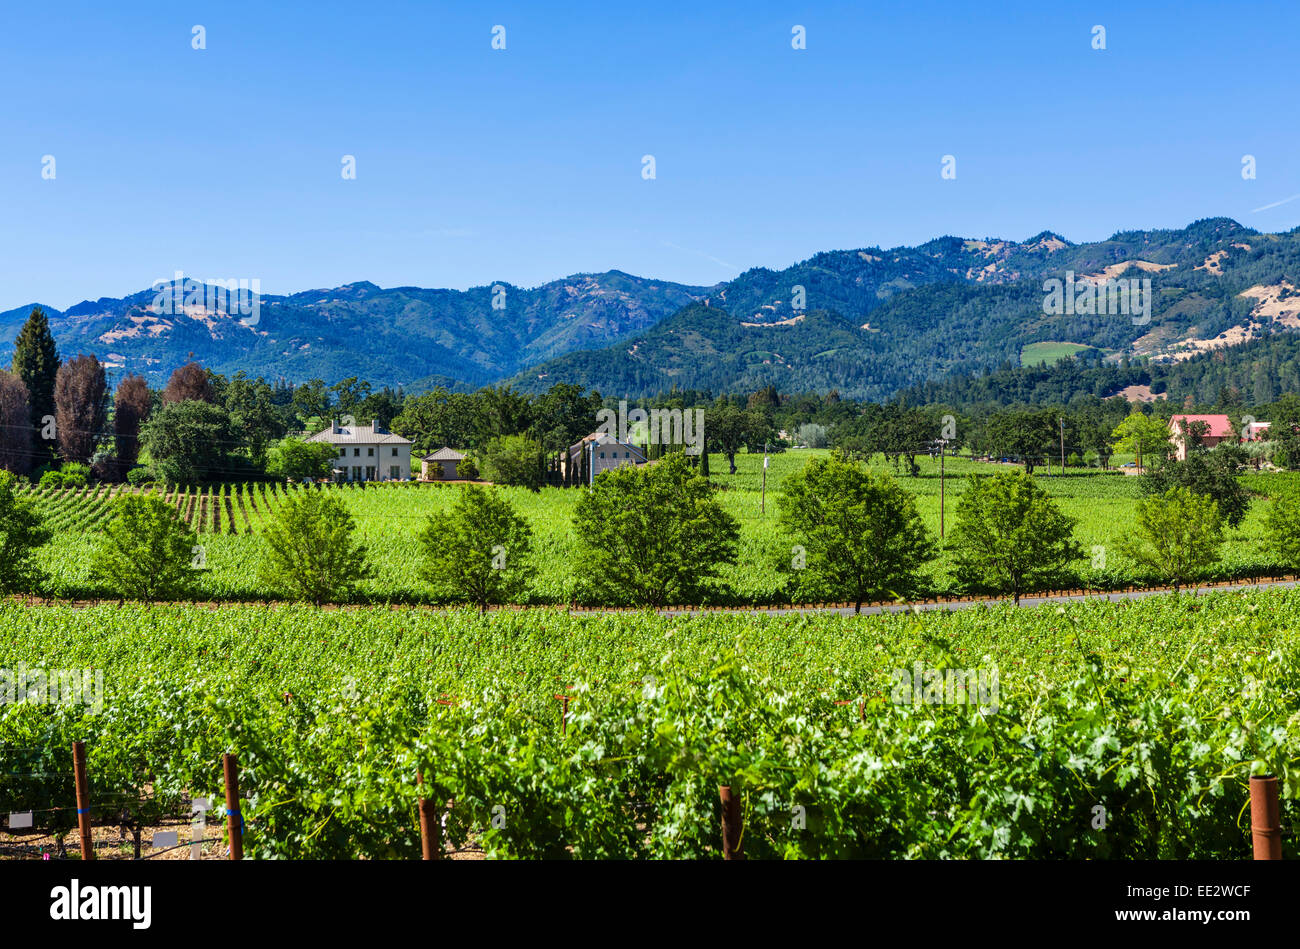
x=476, y=165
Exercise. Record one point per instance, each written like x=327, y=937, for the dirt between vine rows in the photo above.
x=947, y=602
x=110, y=843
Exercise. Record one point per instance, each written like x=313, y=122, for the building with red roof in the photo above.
x=1213, y=429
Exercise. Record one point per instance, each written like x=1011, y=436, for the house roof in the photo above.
x=445, y=454
x=1217, y=426
x=600, y=438
x=369, y=434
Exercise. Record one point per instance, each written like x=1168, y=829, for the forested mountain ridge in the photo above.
x=878, y=321
x=399, y=336
x=1258, y=372
x=869, y=322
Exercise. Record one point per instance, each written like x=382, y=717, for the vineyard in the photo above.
x=228, y=519
x=548, y=734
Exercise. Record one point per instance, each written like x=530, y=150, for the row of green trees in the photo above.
x=656, y=536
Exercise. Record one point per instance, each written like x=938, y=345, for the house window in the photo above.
x=602, y=454
x=394, y=452
x=370, y=452
x=395, y=471
x=356, y=452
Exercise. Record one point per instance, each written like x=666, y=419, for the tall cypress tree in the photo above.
x=36, y=363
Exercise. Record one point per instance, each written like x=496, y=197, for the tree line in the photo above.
x=657, y=536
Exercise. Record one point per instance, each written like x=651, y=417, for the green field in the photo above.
x=1049, y=352
x=390, y=517
x=1156, y=710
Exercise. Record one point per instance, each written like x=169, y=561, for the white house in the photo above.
x=367, y=452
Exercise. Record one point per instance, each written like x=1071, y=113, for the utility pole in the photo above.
x=762, y=503
x=943, y=442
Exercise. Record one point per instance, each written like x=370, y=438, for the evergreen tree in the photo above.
x=36, y=363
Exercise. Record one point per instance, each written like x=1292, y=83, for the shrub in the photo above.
x=653, y=534
x=479, y=550
x=308, y=549
x=1010, y=536
x=147, y=552
x=21, y=532
x=513, y=460
x=295, y=458
x=71, y=475
x=1176, y=535
x=861, y=534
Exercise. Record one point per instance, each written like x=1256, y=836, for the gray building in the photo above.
x=442, y=465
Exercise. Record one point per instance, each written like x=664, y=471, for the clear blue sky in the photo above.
x=524, y=165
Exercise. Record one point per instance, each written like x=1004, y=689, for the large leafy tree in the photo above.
x=1027, y=434
x=146, y=551
x=131, y=406
x=36, y=363
x=296, y=458
x=15, y=424
x=188, y=441
x=503, y=411
x=1284, y=431
x=254, y=417
x=861, y=534
x=1176, y=535
x=1145, y=437
x=21, y=532
x=653, y=534
x=349, y=395
x=190, y=383
x=381, y=407
x=730, y=429
x=1211, y=474
x=440, y=419
x=80, y=407
x=311, y=399
x=309, y=551
x=514, y=460
x=564, y=414
x=479, y=551
x=1009, y=535
x=1283, y=530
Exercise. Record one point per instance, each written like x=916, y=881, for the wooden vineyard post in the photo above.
x=234, y=819
x=83, y=799
x=430, y=842
x=564, y=714
x=732, y=826
x=1265, y=818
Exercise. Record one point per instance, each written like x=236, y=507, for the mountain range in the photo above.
x=868, y=322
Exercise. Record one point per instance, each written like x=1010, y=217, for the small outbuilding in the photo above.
x=442, y=465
